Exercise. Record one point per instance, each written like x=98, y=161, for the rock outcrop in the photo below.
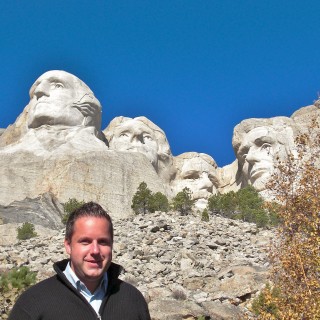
x=108, y=177
x=56, y=145
x=44, y=210
x=185, y=267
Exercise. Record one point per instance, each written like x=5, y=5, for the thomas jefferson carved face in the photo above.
x=134, y=135
x=60, y=98
x=257, y=154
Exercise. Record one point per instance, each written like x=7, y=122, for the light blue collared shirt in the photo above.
x=94, y=299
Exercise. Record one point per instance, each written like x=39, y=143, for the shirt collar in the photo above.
x=77, y=283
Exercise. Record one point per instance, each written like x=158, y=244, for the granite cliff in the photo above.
x=57, y=146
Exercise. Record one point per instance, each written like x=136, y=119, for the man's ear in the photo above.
x=67, y=246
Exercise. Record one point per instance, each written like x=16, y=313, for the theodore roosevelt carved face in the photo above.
x=196, y=171
x=60, y=98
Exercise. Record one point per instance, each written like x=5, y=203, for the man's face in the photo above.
x=256, y=153
x=135, y=136
x=90, y=250
x=199, y=177
x=51, y=100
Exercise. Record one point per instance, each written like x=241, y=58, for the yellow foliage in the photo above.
x=295, y=252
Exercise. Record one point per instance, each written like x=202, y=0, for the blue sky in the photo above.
x=196, y=68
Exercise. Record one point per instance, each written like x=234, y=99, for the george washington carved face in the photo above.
x=59, y=98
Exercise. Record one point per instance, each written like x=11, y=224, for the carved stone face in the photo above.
x=52, y=99
x=134, y=135
x=257, y=154
x=199, y=176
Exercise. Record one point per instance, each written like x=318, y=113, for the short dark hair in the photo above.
x=89, y=209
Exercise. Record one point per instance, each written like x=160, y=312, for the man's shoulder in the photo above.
x=42, y=288
x=127, y=289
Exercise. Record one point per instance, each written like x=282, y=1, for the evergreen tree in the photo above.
x=246, y=205
x=68, y=207
x=183, y=201
x=158, y=202
x=26, y=231
x=141, y=199
x=205, y=215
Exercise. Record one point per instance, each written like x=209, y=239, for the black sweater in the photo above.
x=56, y=299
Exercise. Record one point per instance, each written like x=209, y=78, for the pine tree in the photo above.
x=68, y=207
x=158, y=202
x=141, y=199
x=183, y=201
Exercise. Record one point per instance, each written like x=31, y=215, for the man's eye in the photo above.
x=104, y=243
x=123, y=135
x=267, y=147
x=147, y=137
x=242, y=154
x=58, y=85
x=191, y=175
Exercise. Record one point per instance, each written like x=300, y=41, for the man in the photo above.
x=86, y=286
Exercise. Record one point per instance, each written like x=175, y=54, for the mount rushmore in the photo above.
x=57, y=146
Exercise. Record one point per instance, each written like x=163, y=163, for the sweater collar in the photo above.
x=113, y=271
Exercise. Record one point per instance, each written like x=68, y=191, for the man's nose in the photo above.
x=205, y=182
x=136, y=139
x=94, y=249
x=42, y=89
x=252, y=155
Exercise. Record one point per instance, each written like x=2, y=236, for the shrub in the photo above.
x=295, y=251
x=26, y=231
x=205, y=215
x=158, y=202
x=21, y=278
x=265, y=302
x=68, y=207
x=12, y=283
x=179, y=294
x=246, y=205
x=183, y=201
x=145, y=201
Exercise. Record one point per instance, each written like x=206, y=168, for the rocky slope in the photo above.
x=185, y=267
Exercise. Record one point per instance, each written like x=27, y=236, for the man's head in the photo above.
x=258, y=143
x=88, y=241
x=89, y=209
x=197, y=171
x=60, y=98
